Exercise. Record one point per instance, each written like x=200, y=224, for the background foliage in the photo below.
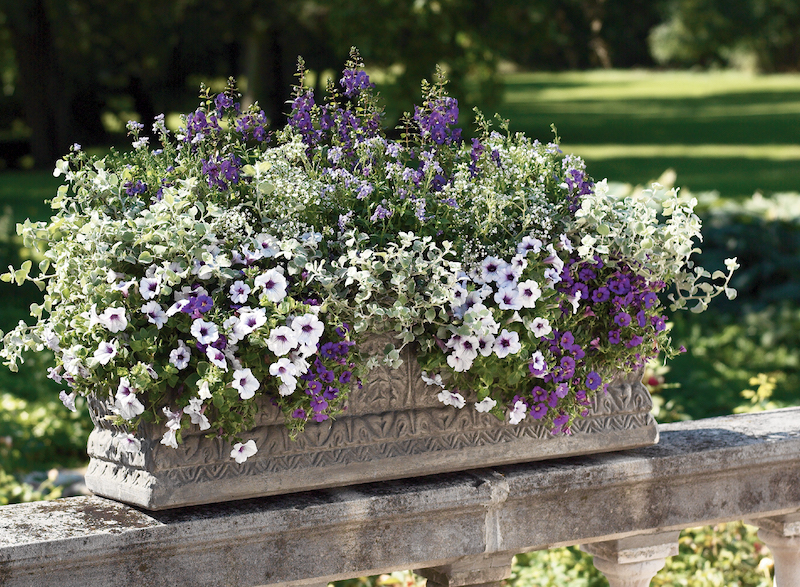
x=76, y=70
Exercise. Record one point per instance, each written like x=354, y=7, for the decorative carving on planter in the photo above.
x=394, y=427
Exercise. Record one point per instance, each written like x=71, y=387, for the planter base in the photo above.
x=374, y=440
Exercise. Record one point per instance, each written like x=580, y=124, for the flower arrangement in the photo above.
x=184, y=282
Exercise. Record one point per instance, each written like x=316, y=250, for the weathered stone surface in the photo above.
x=393, y=428
x=701, y=472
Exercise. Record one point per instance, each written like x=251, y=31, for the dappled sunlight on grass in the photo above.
x=728, y=131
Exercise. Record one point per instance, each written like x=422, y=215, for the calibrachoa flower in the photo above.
x=232, y=263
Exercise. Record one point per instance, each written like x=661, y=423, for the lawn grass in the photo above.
x=727, y=131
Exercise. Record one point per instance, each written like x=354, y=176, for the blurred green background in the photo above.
x=700, y=93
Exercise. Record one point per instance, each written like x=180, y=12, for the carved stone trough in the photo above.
x=394, y=427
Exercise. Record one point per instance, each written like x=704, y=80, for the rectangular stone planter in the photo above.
x=394, y=427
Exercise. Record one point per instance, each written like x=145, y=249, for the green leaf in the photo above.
x=145, y=258
x=21, y=274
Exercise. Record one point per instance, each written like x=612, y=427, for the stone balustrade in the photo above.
x=457, y=529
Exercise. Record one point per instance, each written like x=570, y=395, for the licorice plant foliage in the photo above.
x=230, y=262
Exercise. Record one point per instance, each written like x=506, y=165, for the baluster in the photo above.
x=782, y=535
x=485, y=570
x=635, y=560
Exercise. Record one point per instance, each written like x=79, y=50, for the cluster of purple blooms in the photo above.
x=330, y=371
x=222, y=172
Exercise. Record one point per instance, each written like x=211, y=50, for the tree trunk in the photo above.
x=45, y=97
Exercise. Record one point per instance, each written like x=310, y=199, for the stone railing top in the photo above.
x=719, y=469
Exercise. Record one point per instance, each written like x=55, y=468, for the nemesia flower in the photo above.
x=242, y=452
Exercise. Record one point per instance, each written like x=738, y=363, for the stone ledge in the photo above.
x=720, y=469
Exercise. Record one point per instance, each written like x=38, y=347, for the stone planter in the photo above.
x=393, y=428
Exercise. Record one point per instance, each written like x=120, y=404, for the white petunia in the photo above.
x=575, y=300
x=170, y=439
x=538, y=364
x=155, y=313
x=106, y=351
x=285, y=370
x=239, y=291
x=177, y=307
x=180, y=356
x=507, y=298
x=566, y=244
x=508, y=276
x=507, y=343
x=149, y=287
x=491, y=268
x=435, y=380
x=282, y=340
x=204, y=332
x=518, y=413
x=195, y=411
x=273, y=283
x=129, y=443
x=486, y=344
x=485, y=405
x=450, y=398
x=113, y=319
x=245, y=383
x=217, y=357
x=68, y=400
x=466, y=347
x=249, y=320
x=127, y=405
x=528, y=245
x=308, y=329
x=268, y=245
x=203, y=392
x=541, y=327
x=242, y=452
x=529, y=293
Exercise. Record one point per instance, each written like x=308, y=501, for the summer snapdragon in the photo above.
x=205, y=272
